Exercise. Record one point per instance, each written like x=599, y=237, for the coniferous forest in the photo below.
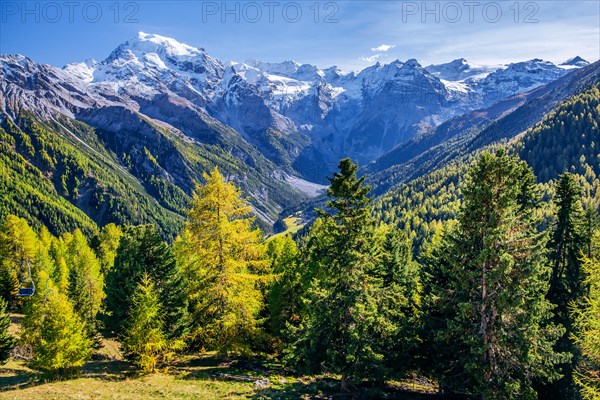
x=500, y=303
x=177, y=236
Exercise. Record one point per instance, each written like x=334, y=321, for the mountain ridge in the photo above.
x=159, y=113
x=325, y=113
x=504, y=120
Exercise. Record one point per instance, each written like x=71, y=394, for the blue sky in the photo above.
x=350, y=34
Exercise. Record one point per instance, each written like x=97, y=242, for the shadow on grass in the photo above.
x=104, y=369
x=215, y=372
x=330, y=389
x=210, y=367
x=18, y=379
x=108, y=370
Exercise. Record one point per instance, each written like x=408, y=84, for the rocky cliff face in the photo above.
x=152, y=127
x=166, y=112
x=365, y=114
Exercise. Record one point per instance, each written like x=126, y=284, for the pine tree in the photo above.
x=225, y=264
x=7, y=342
x=55, y=333
x=286, y=290
x=85, y=288
x=566, y=282
x=145, y=341
x=141, y=251
x=487, y=281
x=341, y=325
x=566, y=247
x=587, y=324
x=436, y=277
x=399, y=299
x=294, y=270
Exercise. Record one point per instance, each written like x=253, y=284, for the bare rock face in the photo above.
x=150, y=125
x=363, y=115
x=286, y=118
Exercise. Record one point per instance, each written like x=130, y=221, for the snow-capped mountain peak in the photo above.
x=285, y=68
x=148, y=64
x=82, y=70
x=358, y=114
x=150, y=52
x=247, y=72
x=575, y=62
x=518, y=77
x=146, y=43
x=459, y=70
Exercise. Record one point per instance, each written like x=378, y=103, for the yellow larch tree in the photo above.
x=223, y=257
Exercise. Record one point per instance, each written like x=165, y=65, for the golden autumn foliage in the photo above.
x=224, y=261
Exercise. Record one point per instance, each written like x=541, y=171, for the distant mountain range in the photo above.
x=474, y=130
x=157, y=113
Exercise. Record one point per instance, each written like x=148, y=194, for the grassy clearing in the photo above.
x=113, y=379
x=191, y=377
x=293, y=224
x=204, y=376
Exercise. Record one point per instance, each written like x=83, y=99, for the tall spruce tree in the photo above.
x=486, y=286
x=7, y=341
x=224, y=261
x=142, y=251
x=566, y=283
x=399, y=301
x=341, y=324
x=566, y=247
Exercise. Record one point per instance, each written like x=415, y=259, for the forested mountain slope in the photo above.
x=565, y=140
x=25, y=191
x=87, y=177
x=124, y=140
x=475, y=130
x=126, y=165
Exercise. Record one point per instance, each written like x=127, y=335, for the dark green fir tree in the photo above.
x=487, y=280
x=567, y=288
x=340, y=330
x=142, y=251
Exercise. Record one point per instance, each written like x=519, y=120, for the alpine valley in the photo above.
x=125, y=139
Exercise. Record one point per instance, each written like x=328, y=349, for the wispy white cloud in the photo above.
x=370, y=58
x=383, y=48
x=565, y=29
x=380, y=50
